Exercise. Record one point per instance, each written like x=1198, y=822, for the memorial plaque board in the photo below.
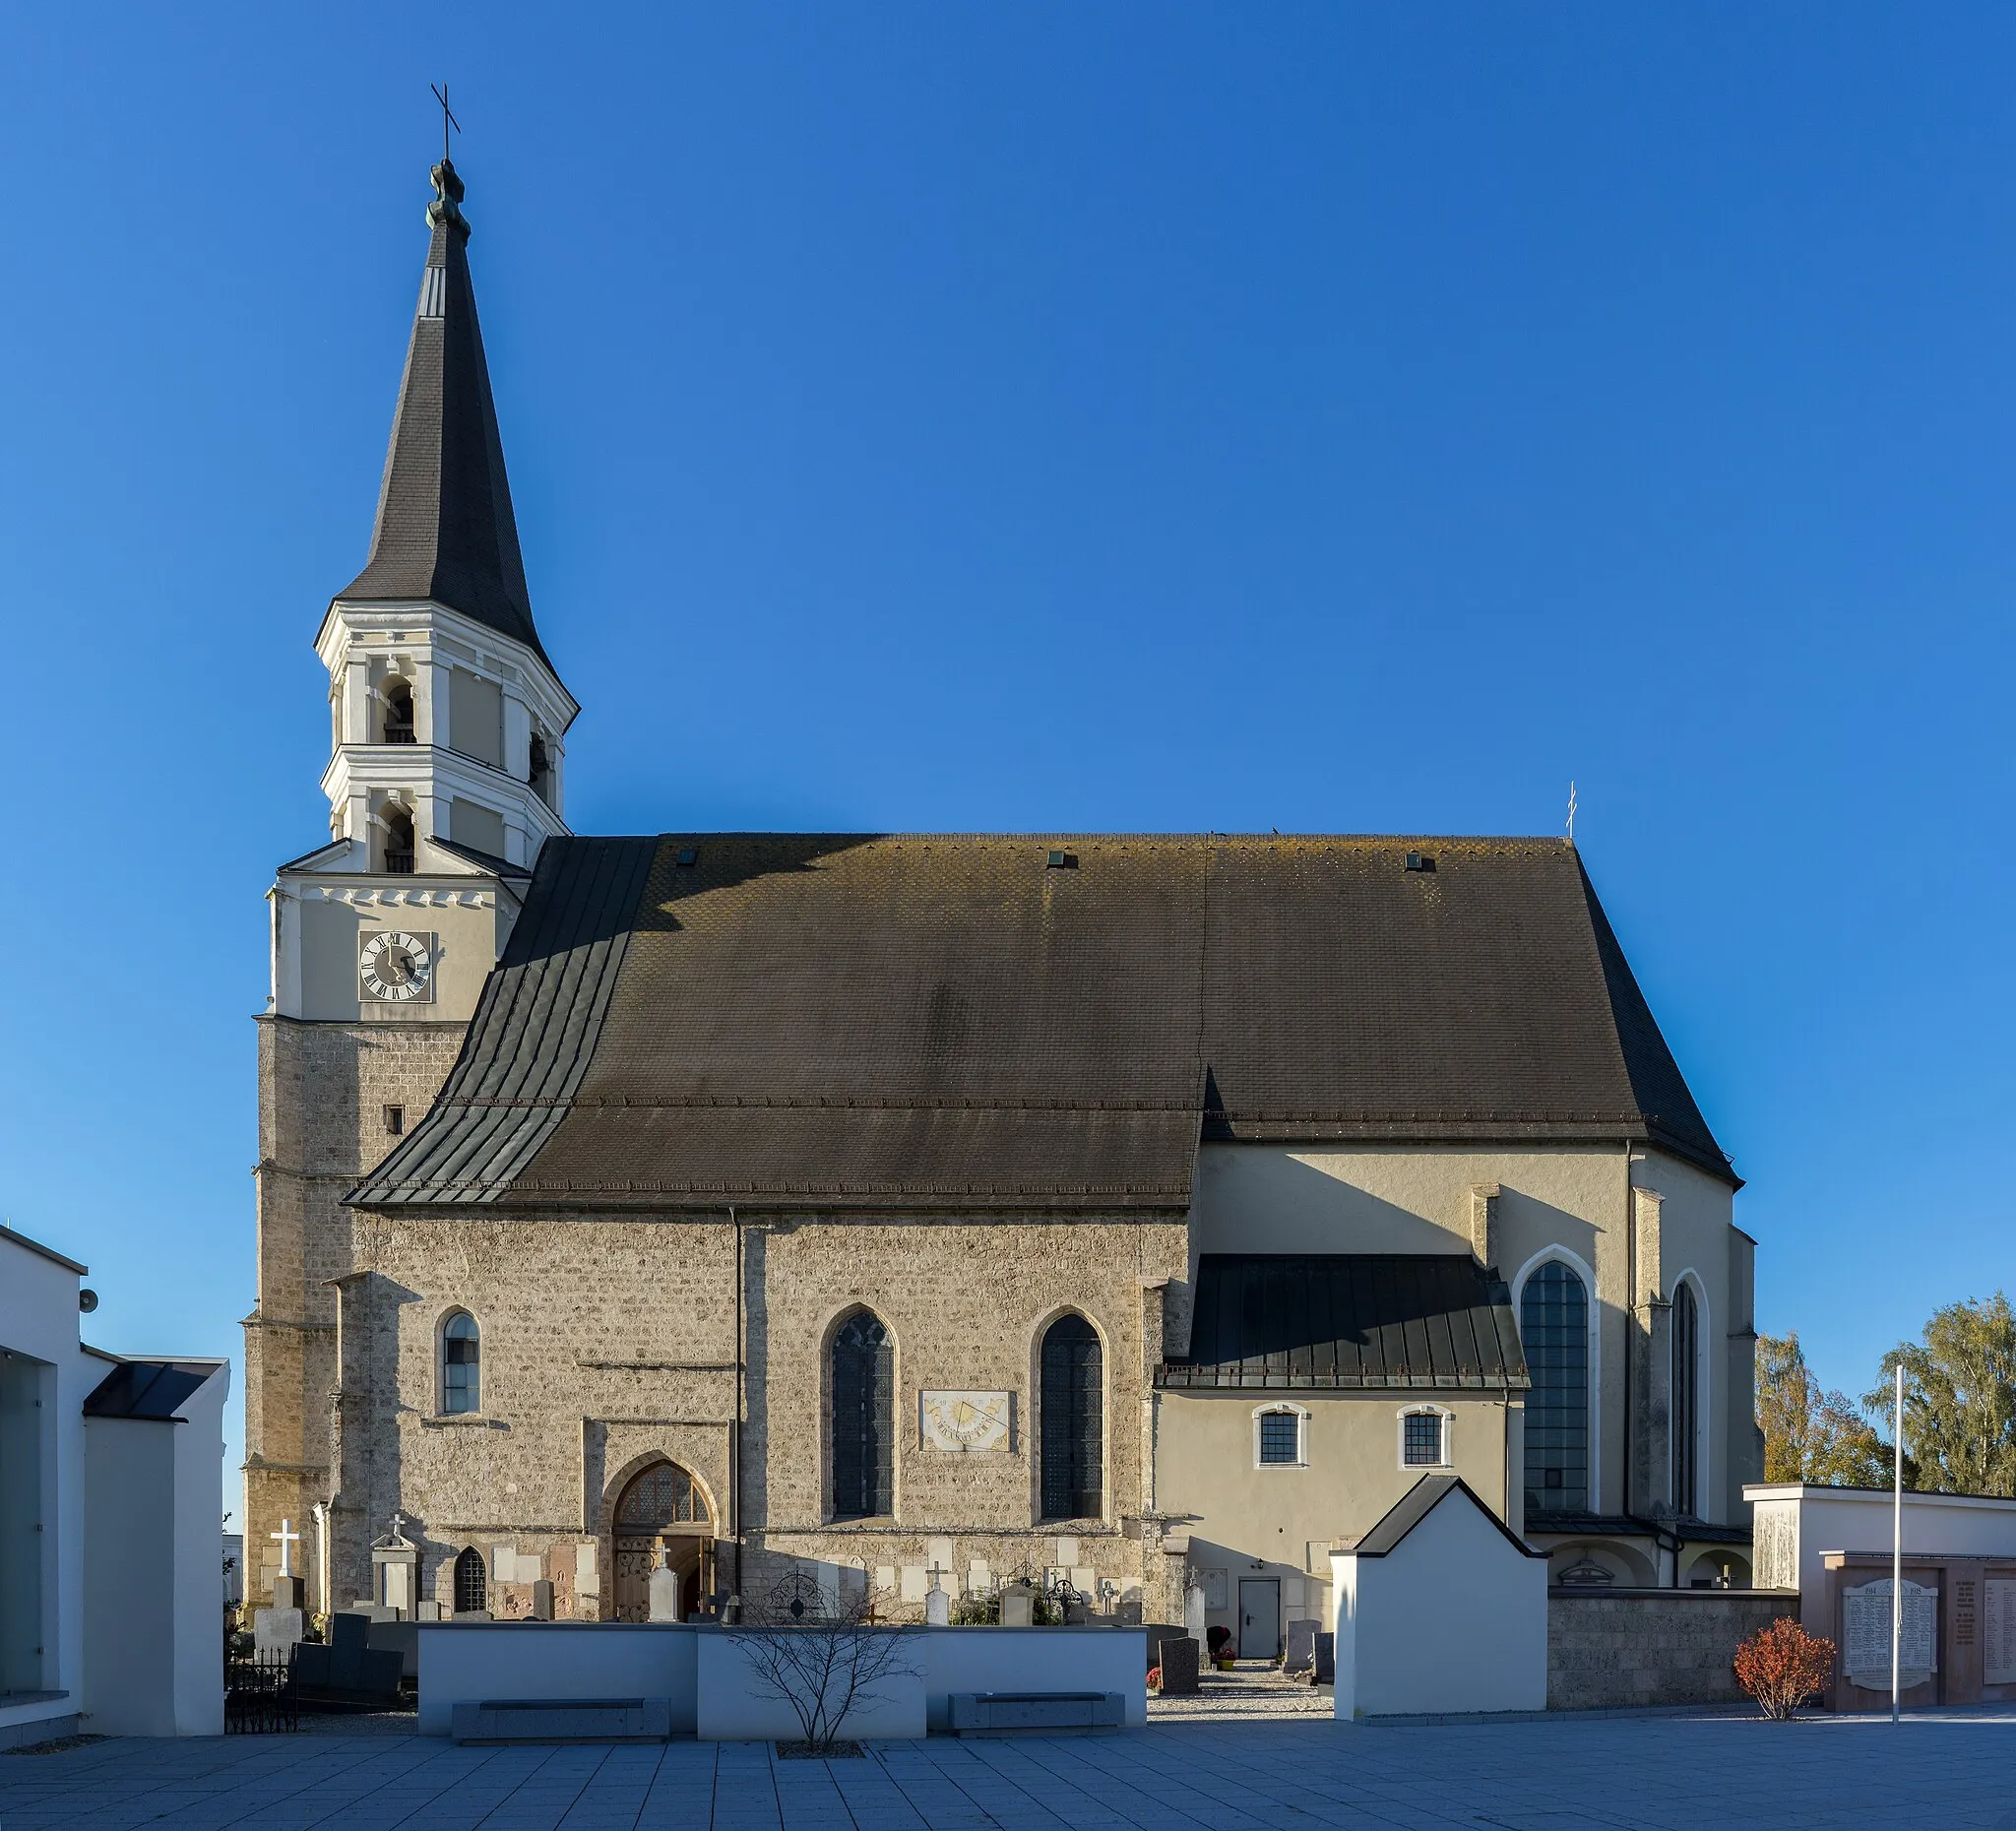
x=1998, y=1631
x=1865, y=1635
x=1217, y=1588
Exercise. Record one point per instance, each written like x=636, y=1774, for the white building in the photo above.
x=110, y=1472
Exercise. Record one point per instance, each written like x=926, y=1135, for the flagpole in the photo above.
x=1896, y=1555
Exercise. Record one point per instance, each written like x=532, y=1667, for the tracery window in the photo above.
x=460, y=1363
x=1073, y=1422
x=1554, y=1325
x=1687, y=1343
x=862, y=1423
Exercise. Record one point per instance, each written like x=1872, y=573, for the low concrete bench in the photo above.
x=564, y=1720
x=995, y=1712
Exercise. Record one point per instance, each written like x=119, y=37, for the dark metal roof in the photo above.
x=1413, y=1506
x=484, y=860
x=1349, y=1321
x=821, y=1020
x=445, y=530
x=147, y=1389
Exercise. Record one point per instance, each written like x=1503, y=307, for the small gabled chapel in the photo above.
x=1131, y=1213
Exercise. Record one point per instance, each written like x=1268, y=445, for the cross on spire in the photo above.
x=448, y=120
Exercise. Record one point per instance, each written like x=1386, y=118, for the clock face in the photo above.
x=398, y=968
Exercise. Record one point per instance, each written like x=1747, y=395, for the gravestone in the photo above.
x=1301, y=1656
x=1018, y=1606
x=664, y=1595
x=1179, y=1664
x=348, y=1670
x=1326, y=1658
x=276, y=1629
x=542, y=1600
x=396, y=1571
x=937, y=1607
x=1193, y=1611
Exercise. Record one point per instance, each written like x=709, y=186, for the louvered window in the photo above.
x=863, y=1419
x=1073, y=1437
x=472, y=1582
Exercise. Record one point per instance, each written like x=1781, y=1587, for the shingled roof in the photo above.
x=887, y=1022
x=445, y=530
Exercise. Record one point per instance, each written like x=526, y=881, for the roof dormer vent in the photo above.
x=1421, y=861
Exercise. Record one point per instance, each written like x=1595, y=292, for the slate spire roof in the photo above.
x=445, y=530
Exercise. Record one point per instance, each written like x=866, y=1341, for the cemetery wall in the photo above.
x=607, y=1343
x=1616, y=1649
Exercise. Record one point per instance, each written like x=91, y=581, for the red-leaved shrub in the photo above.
x=1783, y=1666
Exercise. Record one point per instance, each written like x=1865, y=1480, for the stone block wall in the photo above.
x=610, y=1341
x=323, y=1090
x=1623, y=1649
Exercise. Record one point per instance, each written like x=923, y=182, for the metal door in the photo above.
x=1259, y=1617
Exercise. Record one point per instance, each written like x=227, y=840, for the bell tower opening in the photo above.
x=399, y=712
x=399, y=839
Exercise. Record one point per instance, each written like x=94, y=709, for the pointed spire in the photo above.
x=444, y=530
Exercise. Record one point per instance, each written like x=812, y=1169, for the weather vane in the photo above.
x=448, y=120
x=1571, y=813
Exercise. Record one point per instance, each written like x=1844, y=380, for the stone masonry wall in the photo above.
x=1618, y=1649
x=322, y=1093
x=609, y=1343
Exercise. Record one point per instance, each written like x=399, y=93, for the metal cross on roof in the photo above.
x=448, y=120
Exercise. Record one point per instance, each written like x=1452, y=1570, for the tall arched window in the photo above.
x=1686, y=1402
x=1554, y=1325
x=462, y=1386
x=863, y=1434
x=472, y=1582
x=1073, y=1437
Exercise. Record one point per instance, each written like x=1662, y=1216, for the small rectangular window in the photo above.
x=1279, y=1437
x=1424, y=1439
x=395, y=1120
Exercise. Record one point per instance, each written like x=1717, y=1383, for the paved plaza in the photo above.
x=1944, y=1769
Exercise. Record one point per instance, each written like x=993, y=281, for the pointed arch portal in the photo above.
x=661, y=1518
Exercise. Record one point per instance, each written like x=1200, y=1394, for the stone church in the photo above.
x=1123, y=1212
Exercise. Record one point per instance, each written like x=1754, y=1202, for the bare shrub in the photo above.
x=822, y=1653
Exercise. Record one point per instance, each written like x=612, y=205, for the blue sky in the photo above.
x=1136, y=417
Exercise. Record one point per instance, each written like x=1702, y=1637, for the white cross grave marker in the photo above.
x=288, y=1537
x=398, y=1525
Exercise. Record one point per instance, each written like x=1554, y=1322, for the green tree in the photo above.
x=1810, y=1435
x=1959, y=1398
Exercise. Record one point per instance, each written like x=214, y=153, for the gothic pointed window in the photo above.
x=1554, y=1325
x=472, y=1582
x=460, y=1363
x=1073, y=1398
x=1687, y=1343
x=862, y=1423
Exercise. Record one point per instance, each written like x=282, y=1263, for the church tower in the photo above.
x=445, y=777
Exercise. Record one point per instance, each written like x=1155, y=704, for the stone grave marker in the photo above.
x=1018, y=1606
x=1301, y=1656
x=348, y=1668
x=1179, y=1665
